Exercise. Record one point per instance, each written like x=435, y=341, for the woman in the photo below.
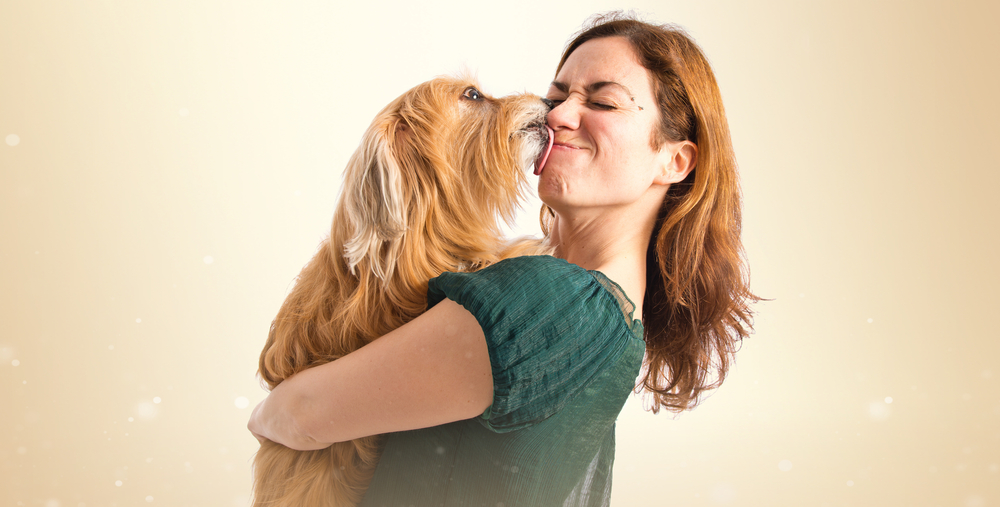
x=506, y=390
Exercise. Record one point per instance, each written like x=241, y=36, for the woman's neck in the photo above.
x=612, y=242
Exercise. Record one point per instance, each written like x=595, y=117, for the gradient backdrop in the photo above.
x=166, y=168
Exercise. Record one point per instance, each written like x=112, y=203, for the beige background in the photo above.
x=167, y=167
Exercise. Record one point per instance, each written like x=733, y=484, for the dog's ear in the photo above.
x=374, y=199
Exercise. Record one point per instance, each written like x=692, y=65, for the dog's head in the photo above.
x=440, y=165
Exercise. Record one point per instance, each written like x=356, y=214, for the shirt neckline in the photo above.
x=619, y=295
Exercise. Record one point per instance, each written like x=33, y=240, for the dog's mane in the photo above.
x=421, y=196
x=391, y=232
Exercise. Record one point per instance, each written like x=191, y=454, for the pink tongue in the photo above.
x=540, y=161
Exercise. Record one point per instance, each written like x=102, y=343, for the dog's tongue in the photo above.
x=540, y=161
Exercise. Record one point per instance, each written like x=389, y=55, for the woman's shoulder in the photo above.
x=545, y=268
x=526, y=278
x=546, y=264
x=537, y=283
x=552, y=328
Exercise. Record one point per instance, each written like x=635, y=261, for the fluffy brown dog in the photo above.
x=422, y=195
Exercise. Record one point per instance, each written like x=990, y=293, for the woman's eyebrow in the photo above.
x=593, y=87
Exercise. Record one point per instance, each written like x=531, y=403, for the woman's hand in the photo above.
x=433, y=370
x=254, y=425
x=273, y=419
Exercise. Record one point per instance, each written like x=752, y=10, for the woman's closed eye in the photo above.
x=603, y=105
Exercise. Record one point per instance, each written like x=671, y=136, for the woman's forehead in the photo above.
x=605, y=64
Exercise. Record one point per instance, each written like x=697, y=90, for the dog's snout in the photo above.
x=548, y=103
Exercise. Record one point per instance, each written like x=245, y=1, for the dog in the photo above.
x=424, y=193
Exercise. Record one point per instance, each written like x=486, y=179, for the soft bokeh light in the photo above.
x=146, y=410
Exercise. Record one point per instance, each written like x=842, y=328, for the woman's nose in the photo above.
x=564, y=115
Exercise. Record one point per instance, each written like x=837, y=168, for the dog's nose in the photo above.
x=548, y=103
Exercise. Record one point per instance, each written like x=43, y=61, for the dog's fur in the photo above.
x=422, y=195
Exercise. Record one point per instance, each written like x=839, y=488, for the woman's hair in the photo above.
x=696, y=307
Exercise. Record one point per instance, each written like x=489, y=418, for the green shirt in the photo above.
x=565, y=353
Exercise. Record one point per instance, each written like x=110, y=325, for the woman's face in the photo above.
x=603, y=123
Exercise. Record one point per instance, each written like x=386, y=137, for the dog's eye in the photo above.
x=472, y=94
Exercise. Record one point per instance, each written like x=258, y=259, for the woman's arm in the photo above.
x=433, y=370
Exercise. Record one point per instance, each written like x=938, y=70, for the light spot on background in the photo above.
x=118, y=483
x=888, y=399
x=878, y=410
x=15, y=363
x=22, y=450
x=785, y=465
x=183, y=111
x=146, y=410
x=242, y=402
x=52, y=502
x=156, y=399
x=986, y=374
x=850, y=483
x=208, y=259
x=6, y=353
x=149, y=498
x=138, y=321
x=13, y=140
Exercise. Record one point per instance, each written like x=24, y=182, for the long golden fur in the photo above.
x=422, y=195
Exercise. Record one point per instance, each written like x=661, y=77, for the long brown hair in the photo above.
x=696, y=306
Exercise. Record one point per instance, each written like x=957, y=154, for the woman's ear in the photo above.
x=677, y=161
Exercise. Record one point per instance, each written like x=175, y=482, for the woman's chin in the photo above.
x=551, y=192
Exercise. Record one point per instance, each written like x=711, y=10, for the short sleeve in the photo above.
x=550, y=327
